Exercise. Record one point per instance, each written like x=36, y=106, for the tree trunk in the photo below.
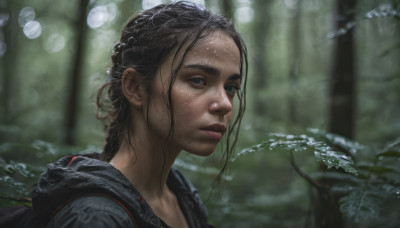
x=295, y=55
x=73, y=91
x=341, y=107
x=260, y=31
x=9, y=88
x=342, y=95
x=227, y=9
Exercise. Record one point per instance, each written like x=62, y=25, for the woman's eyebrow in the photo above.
x=211, y=70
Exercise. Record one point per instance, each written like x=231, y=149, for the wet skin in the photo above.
x=202, y=95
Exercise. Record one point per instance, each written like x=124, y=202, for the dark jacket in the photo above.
x=86, y=192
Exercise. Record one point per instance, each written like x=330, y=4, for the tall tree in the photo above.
x=294, y=55
x=260, y=31
x=73, y=91
x=342, y=104
x=227, y=8
x=8, y=80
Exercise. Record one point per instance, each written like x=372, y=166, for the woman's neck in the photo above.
x=146, y=165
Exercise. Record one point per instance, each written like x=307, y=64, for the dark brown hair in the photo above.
x=146, y=41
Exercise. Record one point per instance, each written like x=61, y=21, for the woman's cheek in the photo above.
x=228, y=117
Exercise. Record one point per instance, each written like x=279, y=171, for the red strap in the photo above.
x=94, y=194
x=72, y=159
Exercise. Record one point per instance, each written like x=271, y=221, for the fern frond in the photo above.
x=300, y=143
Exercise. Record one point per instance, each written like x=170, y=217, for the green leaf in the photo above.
x=20, y=168
x=391, y=150
x=360, y=205
x=249, y=150
x=366, y=201
x=336, y=159
x=16, y=186
x=387, y=11
x=300, y=143
x=338, y=141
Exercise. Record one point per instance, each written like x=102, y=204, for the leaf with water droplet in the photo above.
x=383, y=10
x=341, y=142
x=19, y=167
x=335, y=159
x=303, y=143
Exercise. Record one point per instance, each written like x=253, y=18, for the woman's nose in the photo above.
x=220, y=102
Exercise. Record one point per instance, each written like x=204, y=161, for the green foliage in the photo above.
x=379, y=183
x=369, y=186
x=385, y=10
x=370, y=183
x=20, y=166
x=303, y=143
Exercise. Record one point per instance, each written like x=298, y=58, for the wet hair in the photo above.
x=146, y=42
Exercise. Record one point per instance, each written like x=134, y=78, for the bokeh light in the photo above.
x=4, y=18
x=32, y=29
x=244, y=14
x=26, y=15
x=100, y=15
x=55, y=43
x=147, y=4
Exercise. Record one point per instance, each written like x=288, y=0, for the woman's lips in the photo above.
x=214, y=134
x=215, y=131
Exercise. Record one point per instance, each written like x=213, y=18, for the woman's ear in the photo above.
x=132, y=87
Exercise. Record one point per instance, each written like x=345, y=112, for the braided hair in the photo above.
x=146, y=41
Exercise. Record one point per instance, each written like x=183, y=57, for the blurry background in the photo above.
x=332, y=65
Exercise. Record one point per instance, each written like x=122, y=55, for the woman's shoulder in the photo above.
x=93, y=211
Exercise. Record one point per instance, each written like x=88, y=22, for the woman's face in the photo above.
x=202, y=95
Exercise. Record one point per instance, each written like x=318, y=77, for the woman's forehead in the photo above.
x=216, y=45
x=215, y=39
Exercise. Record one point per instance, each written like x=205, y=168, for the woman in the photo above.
x=176, y=72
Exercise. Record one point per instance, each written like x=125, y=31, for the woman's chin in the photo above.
x=204, y=152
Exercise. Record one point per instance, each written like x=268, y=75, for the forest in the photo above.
x=319, y=145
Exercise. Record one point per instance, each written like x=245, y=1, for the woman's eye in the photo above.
x=198, y=81
x=231, y=89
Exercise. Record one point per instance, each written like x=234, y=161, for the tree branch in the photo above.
x=311, y=181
